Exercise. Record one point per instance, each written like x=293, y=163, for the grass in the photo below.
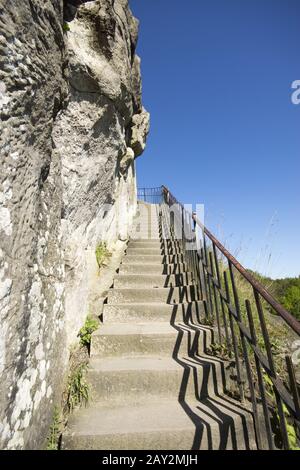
x=280, y=335
x=55, y=430
x=281, y=338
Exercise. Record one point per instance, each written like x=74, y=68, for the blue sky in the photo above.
x=217, y=80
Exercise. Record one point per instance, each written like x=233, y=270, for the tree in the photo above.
x=291, y=300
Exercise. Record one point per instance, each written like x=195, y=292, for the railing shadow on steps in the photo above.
x=218, y=411
x=253, y=331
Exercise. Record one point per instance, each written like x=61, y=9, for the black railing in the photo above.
x=150, y=195
x=254, y=332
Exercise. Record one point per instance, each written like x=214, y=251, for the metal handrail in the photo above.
x=152, y=195
x=236, y=328
x=282, y=312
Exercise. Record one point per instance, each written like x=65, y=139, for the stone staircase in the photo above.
x=153, y=385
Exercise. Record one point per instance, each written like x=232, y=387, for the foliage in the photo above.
x=85, y=333
x=291, y=432
x=78, y=389
x=291, y=300
x=218, y=349
x=102, y=254
x=286, y=291
x=55, y=431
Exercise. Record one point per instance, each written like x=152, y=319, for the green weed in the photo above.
x=78, y=389
x=102, y=254
x=85, y=333
x=66, y=27
x=55, y=431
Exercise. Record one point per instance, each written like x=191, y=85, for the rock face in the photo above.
x=72, y=124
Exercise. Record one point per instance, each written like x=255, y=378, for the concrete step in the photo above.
x=145, y=235
x=158, y=250
x=162, y=244
x=151, y=259
x=176, y=339
x=141, y=312
x=169, y=295
x=144, y=220
x=161, y=425
x=152, y=268
x=124, y=379
x=146, y=215
x=144, y=251
x=134, y=339
x=145, y=228
x=153, y=383
x=129, y=378
x=152, y=280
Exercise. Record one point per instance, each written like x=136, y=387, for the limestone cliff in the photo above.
x=72, y=124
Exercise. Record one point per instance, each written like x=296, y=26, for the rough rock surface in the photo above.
x=97, y=138
x=72, y=123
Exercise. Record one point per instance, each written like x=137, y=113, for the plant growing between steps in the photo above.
x=78, y=389
x=85, y=333
x=55, y=430
x=76, y=394
x=102, y=254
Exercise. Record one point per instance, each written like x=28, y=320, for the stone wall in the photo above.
x=72, y=124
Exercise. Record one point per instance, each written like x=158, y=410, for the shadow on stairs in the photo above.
x=153, y=383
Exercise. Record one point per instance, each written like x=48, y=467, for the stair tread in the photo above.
x=161, y=416
x=150, y=328
x=153, y=268
x=145, y=276
x=144, y=280
x=156, y=305
x=120, y=419
x=162, y=289
x=144, y=383
x=170, y=295
x=150, y=265
x=134, y=363
x=151, y=311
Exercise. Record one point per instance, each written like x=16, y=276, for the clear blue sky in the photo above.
x=217, y=80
